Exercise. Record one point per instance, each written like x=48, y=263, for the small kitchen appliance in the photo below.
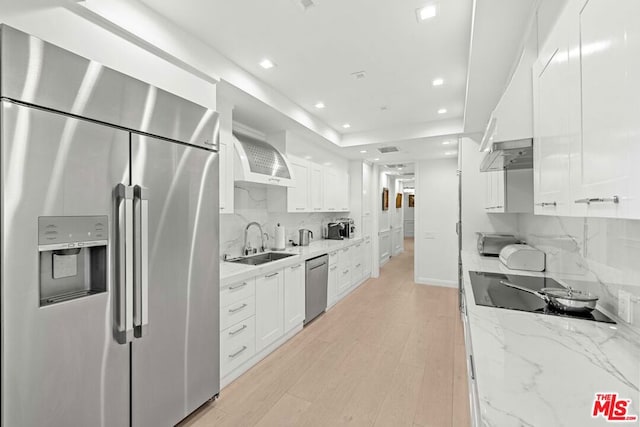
x=522, y=257
x=349, y=229
x=490, y=244
x=305, y=237
x=334, y=231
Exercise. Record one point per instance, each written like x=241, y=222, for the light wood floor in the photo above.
x=389, y=354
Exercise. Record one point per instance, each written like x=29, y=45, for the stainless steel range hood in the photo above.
x=510, y=155
x=259, y=162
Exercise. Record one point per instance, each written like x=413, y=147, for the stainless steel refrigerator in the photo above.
x=109, y=259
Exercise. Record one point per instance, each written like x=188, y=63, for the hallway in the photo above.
x=389, y=354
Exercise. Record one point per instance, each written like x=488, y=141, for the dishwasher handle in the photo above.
x=318, y=266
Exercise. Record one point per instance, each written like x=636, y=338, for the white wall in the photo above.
x=436, y=204
x=474, y=216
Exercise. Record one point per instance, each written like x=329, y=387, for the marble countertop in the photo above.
x=539, y=370
x=232, y=272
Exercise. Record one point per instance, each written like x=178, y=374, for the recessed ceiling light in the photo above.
x=426, y=12
x=376, y=159
x=363, y=151
x=442, y=111
x=346, y=125
x=267, y=63
x=437, y=82
x=320, y=105
x=446, y=142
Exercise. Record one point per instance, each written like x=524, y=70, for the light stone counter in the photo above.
x=232, y=272
x=540, y=370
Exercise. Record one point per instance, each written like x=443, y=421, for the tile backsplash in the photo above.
x=595, y=254
x=251, y=205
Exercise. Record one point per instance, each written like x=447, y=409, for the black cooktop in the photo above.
x=488, y=291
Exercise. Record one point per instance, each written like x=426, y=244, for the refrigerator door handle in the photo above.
x=124, y=259
x=141, y=265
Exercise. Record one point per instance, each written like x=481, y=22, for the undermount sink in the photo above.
x=261, y=258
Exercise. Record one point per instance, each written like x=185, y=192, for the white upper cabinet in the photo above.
x=298, y=196
x=330, y=179
x=316, y=188
x=607, y=176
x=556, y=117
x=494, y=192
x=336, y=190
x=342, y=190
x=586, y=95
x=509, y=191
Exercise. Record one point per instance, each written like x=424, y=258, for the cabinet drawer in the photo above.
x=236, y=312
x=333, y=258
x=237, y=344
x=237, y=291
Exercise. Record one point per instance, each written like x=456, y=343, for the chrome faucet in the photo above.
x=247, y=250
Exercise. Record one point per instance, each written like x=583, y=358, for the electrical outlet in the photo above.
x=624, y=306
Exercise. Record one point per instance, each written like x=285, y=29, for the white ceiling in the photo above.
x=317, y=49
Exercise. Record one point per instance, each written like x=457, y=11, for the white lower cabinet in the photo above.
x=356, y=263
x=257, y=313
x=237, y=325
x=344, y=269
x=269, y=309
x=366, y=258
x=237, y=344
x=237, y=311
x=294, y=293
x=332, y=281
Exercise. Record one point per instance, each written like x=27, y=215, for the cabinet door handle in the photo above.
x=271, y=275
x=545, y=204
x=333, y=268
x=237, y=331
x=235, y=310
x=358, y=265
x=274, y=180
x=296, y=266
x=473, y=367
x=299, y=209
x=588, y=201
x=237, y=353
x=241, y=285
x=345, y=272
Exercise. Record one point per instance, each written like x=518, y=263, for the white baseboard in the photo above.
x=437, y=282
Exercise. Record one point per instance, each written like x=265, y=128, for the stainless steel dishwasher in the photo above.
x=317, y=274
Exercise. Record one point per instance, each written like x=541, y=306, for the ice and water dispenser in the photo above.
x=73, y=257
